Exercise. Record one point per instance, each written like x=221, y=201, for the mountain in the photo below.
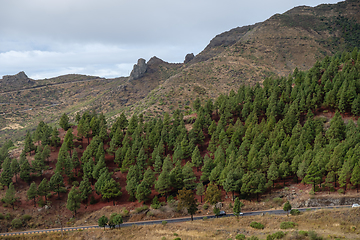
x=243, y=55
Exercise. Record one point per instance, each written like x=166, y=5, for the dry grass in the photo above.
x=330, y=224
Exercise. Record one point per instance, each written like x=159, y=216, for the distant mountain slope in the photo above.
x=247, y=55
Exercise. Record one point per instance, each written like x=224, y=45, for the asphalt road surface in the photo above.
x=171, y=220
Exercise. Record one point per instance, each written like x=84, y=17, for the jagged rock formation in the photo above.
x=189, y=57
x=15, y=82
x=138, y=70
x=14, y=79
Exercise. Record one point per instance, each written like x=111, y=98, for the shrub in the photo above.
x=341, y=191
x=286, y=225
x=205, y=218
x=41, y=202
x=240, y=237
x=303, y=233
x=277, y=235
x=206, y=206
x=177, y=238
x=164, y=223
x=295, y=212
x=278, y=201
x=313, y=236
x=175, y=234
x=26, y=217
x=1, y=216
x=149, y=214
x=7, y=216
x=125, y=212
x=141, y=209
x=256, y=225
x=92, y=200
x=253, y=238
x=16, y=223
x=155, y=203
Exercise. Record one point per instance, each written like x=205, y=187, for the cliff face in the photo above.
x=139, y=70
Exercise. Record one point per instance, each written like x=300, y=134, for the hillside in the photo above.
x=246, y=144
x=243, y=55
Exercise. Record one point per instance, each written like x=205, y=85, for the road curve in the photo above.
x=170, y=220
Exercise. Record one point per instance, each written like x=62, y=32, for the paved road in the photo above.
x=171, y=220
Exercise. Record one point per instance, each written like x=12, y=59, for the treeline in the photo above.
x=242, y=142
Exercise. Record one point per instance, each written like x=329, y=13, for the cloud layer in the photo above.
x=105, y=38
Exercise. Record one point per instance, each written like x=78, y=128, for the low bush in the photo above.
x=286, y=225
x=277, y=235
x=313, y=236
x=1, y=216
x=125, y=212
x=16, y=223
x=141, y=209
x=7, y=216
x=303, y=233
x=164, y=223
x=26, y=217
x=155, y=203
x=92, y=200
x=278, y=200
x=205, y=218
x=150, y=214
x=253, y=238
x=206, y=206
x=240, y=237
x=295, y=212
x=257, y=225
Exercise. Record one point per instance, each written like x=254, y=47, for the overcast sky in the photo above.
x=105, y=38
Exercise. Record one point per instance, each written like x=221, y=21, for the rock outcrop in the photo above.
x=11, y=79
x=189, y=57
x=138, y=70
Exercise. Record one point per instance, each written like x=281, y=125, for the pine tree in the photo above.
x=287, y=207
x=32, y=192
x=355, y=177
x=176, y=177
x=273, y=173
x=64, y=122
x=196, y=158
x=104, y=177
x=143, y=191
x=103, y=221
x=69, y=140
x=213, y=194
x=344, y=174
x=55, y=140
x=163, y=184
x=57, y=183
x=44, y=188
x=188, y=176
x=10, y=196
x=74, y=200
x=6, y=175
x=38, y=165
x=200, y=190
x=25, y=171
x=100, y=165
x=45, y=154
x=110, y=189
x=132, y=181
x=237, y=208
x=15, y=167
x=29, y=145
x=85, y=188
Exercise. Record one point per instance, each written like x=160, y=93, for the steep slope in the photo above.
x=247, y=55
